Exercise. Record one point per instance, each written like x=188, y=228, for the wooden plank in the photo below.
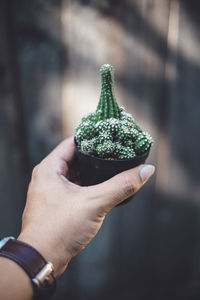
x=39, y=48
x=184, y=144
x=13, y=154
x=176, y=217
x=162, y=178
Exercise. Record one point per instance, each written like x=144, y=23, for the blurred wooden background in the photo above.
x=50, y=54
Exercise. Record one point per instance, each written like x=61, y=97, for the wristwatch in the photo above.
x=38, y=269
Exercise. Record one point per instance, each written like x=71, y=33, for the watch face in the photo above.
x=4, y=241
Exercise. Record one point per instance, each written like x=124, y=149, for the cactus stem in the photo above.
x=107, y=103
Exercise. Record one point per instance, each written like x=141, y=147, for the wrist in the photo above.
x=40, y=272
x=48, y=250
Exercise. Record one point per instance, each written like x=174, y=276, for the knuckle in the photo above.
x=130, y=186
x=39, y=169
x=36, y=172
x=95, y=205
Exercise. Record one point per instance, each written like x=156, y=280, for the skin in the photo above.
x=61, y=217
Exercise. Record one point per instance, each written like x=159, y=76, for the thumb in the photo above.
x=121, y=186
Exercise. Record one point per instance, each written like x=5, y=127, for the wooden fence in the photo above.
x=50, y=54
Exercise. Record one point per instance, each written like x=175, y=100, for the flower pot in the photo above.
x=94, y=170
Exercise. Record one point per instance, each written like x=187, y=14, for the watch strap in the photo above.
x=38, y=269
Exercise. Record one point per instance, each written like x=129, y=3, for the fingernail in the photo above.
x=146, y=172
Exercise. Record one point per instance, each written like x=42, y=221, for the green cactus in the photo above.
x=106, y=149
x=110, y=132
x=107, y=106
x=123, y=152
x=88, y=146
x=143, y=142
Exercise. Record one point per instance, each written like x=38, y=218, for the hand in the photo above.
x=60, y=217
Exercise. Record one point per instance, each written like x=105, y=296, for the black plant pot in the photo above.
x=94, y=170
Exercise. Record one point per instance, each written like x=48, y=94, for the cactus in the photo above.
x=143, y=142
x=110, y=132
x=107, y=107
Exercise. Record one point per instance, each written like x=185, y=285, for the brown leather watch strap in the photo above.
x=34, y=265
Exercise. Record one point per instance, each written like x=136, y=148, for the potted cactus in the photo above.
x=109, y=141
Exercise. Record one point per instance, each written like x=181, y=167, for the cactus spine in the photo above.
x=110, y=132
x=107, y=106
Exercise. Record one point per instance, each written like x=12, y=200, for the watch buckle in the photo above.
x=43, y=274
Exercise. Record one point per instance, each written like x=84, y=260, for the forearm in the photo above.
x=15, y=283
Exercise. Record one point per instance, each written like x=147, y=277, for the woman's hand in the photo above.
x=60, y=217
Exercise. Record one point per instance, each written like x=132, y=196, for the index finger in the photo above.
x=64, y=151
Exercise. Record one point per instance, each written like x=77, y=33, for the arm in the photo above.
x=61, y=218
x=14, y=283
